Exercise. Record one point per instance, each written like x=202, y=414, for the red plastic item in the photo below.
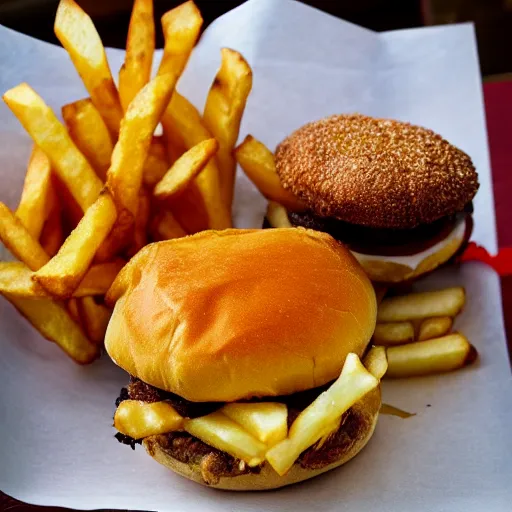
x=501, y=262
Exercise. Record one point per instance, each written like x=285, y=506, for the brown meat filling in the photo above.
x=139, y=390
x=383, y=242
x=214, y=463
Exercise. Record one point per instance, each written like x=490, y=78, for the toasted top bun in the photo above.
x=375, y=172
x=234, y=314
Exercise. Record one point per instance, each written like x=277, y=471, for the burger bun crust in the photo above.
x=375, y=172
x=235, y=314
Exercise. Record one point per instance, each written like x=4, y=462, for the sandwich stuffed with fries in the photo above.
x=244, y=349
x=398, y=196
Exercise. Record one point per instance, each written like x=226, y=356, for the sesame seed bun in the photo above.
x=234, y=314
x=375, y=172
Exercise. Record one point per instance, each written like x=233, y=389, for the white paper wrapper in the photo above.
x=57, y=441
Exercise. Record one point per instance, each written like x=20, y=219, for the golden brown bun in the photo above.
x=228, y=315
x=368, y=407
x=375, y=172
x=391, y=272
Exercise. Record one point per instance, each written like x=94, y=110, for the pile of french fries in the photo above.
x=101, y=185
x=416, y=331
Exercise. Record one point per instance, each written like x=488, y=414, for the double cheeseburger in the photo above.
x=398, y=196
x=243, y=349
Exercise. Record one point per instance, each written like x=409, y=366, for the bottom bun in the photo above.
x=386, y=270
x=354, y=441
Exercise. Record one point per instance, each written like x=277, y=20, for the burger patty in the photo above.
x=139, y=390
x=377, y=241
x=214, y=463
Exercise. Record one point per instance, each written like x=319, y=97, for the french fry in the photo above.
x=223, y=112
x=52, y=236
x=90, y=134
x=266, y=421
x=185, y=169
x=328, y=432
x=430, y=357
x=174, y=151
x=181, y=27
x=17, y=285
x=393, y=333
x=78, y=35
x=318, y=418
x=54, y=322
x=99, y=278
x=157, y=163
x=63, y=273
x=19, y=241
x=119, y=238
x=124, y=178
x=139, y=419
x=166, y=227
x=52, y=199
x=52, y=137
x=72, y=308
x=140, y=237
x=447, y=302
x=95, y=318
x=140, y=46
x=35, y=202
x=277, y=215
x=222, y=433
x=257, y=162
x=190, y=210
x=182, y=123
x=16, y=281
x=376, y=362
x=434, y=327
x=71, y=212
